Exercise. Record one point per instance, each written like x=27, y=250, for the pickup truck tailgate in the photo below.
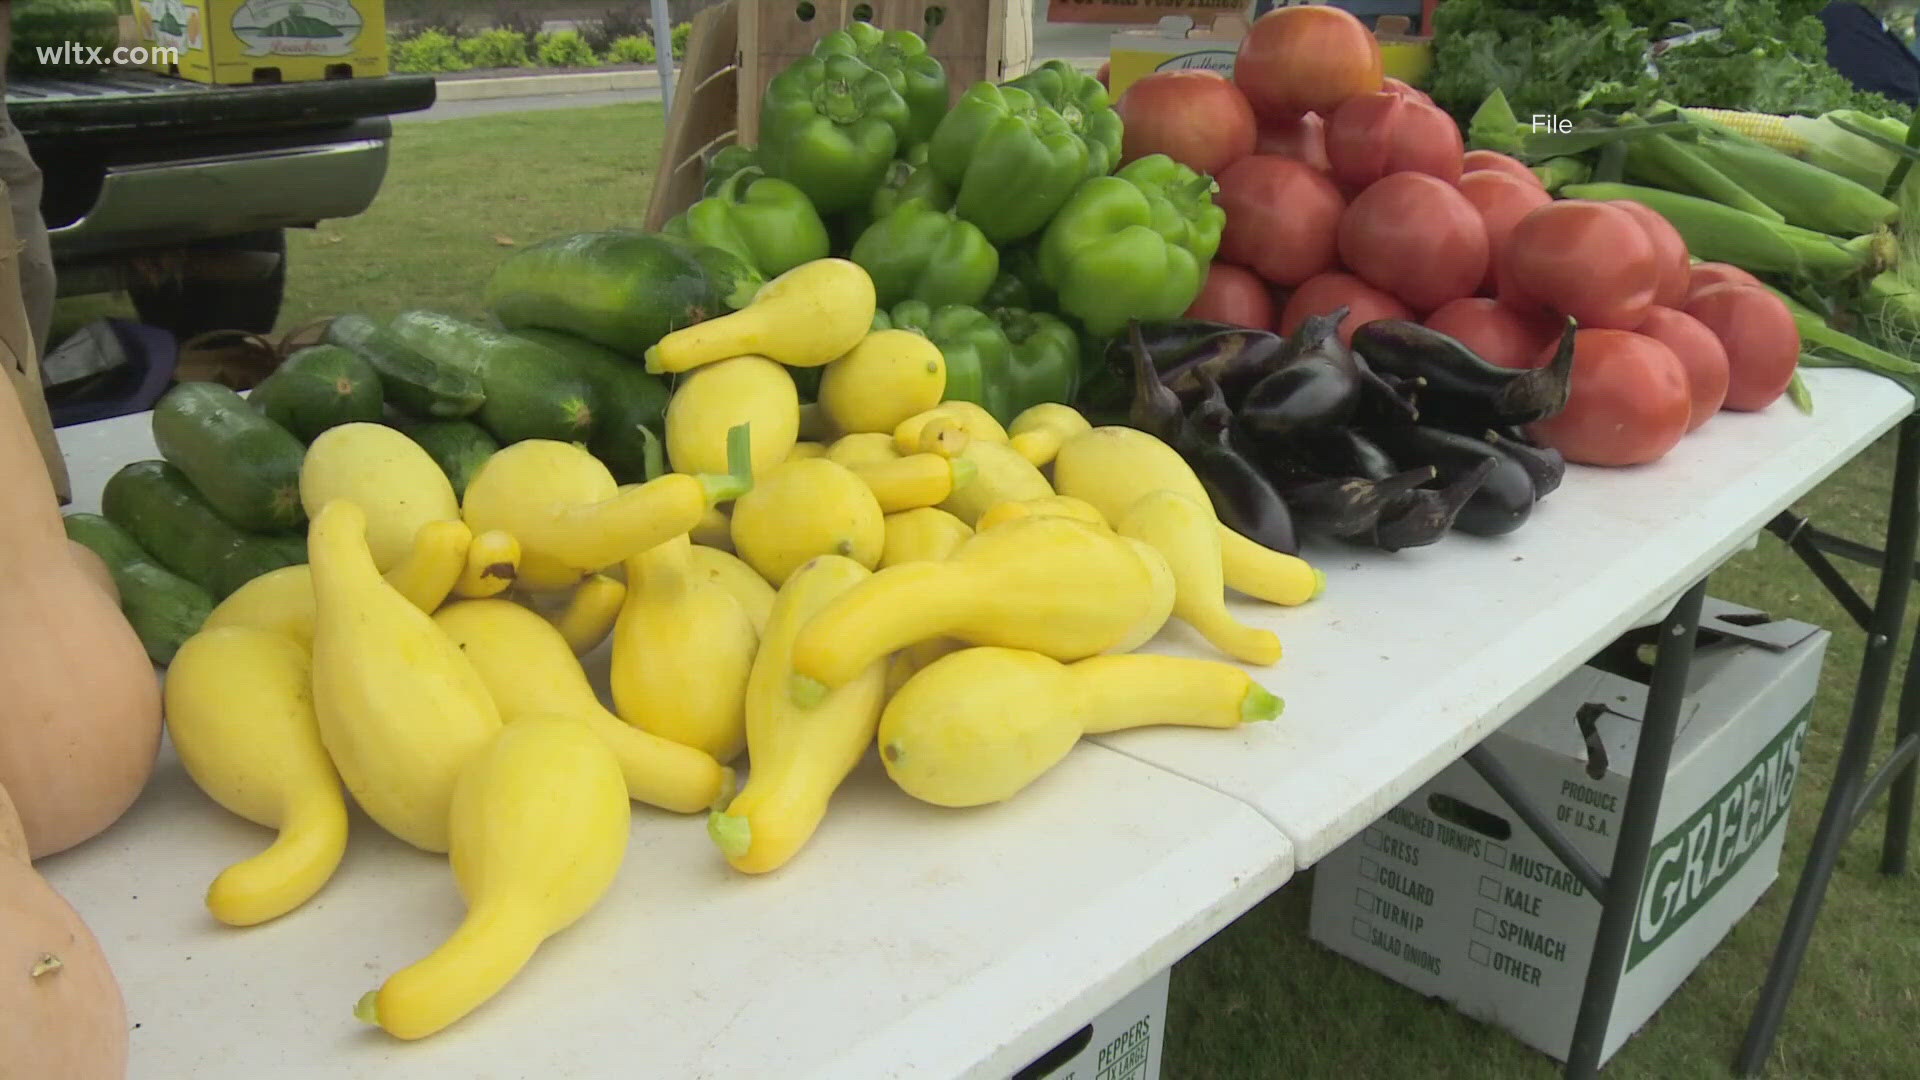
x=121, y=103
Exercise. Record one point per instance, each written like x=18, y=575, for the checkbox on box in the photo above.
x=1363, y=930
x=1366, y=901
x=1495, y=853
x=1371, y=838
x=1484, y=921
x=1479, y=954
x=1369, y=870
x=1490, y=888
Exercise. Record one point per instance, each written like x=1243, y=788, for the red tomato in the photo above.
x=1283, y=218
x=1321, y=295
x=1105, y=73
x=1670, y=250
x=1501, y=335
x=1699, y=352
x=1707, y=274
x=1373, y=135
x=1306, y=59
x=1233, y=295
x=1302, y=138
x=1395, y=86
x=1491, y=161
x=1193, y=116
x=1629, y=404
x=1761, y=339
x=1417, y=237
x=1502, y=201
x=1580, y=258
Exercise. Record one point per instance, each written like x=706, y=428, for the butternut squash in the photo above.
x=74, y=751
x=61, y=1013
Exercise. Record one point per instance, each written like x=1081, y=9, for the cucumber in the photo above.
x=459, y=447
x=622, y=289
x=247, y=466
x=317, y=388
x=412, y=383
x=164, y=608
x=530, y=392
x=629, y=405
x=157, y=505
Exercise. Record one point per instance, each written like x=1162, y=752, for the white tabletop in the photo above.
x=1409, y=660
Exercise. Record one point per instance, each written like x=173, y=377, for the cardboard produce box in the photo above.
x=1452, y=895
x=267, y=41
x=1123, y=1043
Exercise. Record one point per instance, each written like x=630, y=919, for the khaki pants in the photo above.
x=23, y=181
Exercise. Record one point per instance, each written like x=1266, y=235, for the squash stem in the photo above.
x=806, y=692
x=739, y=476
x=732, y=835
x=1260, y=704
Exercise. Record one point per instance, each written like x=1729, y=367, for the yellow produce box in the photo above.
x=267, y=41
x=1176, y=43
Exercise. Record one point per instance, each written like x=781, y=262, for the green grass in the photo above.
x=1258, y=1000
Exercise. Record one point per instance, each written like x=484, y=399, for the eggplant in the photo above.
x=1543, y=463
x=1154, y=409
x=1503, y=501
x=1236, y=359
x=1316, y=388
x=1171, y=342
x=1422, y=516
x=1243, y=497
x=1463, y=392
x=1346, y=452
x=1386, y=399
x=1349, y=505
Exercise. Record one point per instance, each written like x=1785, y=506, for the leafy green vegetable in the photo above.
x=1563, y=56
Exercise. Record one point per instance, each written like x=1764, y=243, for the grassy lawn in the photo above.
x=1258, y=1000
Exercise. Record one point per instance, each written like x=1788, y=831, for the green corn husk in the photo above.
x=1557, y=173
x=1843, y=152
x=1804, y=194
x=1663, y=161
x=1717, y=233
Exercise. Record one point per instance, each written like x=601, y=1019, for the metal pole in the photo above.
x=1876, y=670
x=663, y=52
x=1666, y=696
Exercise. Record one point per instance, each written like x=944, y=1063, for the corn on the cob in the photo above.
x=1776, y=132
x=1722, y=234
x=1806, y=195
x=1664, y=162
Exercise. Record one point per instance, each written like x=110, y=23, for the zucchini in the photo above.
x=157, y=505
x=630, y=405
x=411, y=383
x=622, y=289
x=164, y=608
x=317, y=388
x=459, y=447
x=247, y=466
x=530, y=392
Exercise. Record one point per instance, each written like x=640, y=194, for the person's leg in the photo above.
x=23, y=182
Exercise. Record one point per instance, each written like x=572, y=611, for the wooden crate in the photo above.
x=736, y=49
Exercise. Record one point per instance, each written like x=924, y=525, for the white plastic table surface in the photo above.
x=1409, y=660
x=906, y=941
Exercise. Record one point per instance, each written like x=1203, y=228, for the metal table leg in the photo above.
x=1850, y=776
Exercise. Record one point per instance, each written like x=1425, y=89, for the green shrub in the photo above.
x=680, y=35
x=564, y=49
x=611, y=26
x=496, y=49
x=428, y=52
x=632, y=49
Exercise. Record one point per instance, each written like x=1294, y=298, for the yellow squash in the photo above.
x=862, y=448
x=1050, y=584
x=493, y=563
x=540, y=824
x=806, y=317
x=715, y=529
x=588, y=616
x=928, y=534
x=947, y=428
x=401, y=710
x=799, y=756
x=1038, y=433
x=807, y=450
x=282, y=600
x=1187, y=535
x=1111, y=467
x=572, y=519
x=889, y=376
x=743, y=581
x=387, y=475
x=711, y=402
x=815, y=425
x=1054, y=505
x=530, y=672
x=977, y=726
x=917, y=480
x=999, y=475
x=807, y=508
x=681, y=653
x=240, y=712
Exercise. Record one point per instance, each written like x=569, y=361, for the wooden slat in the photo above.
x=704, y=110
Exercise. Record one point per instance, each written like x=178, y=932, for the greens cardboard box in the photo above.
x=1453, y=896
x=253, y=41
x=1123, y=1043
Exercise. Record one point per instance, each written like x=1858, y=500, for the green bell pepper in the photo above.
x=1134, y=245
x=1012, y=161
x=830, y=126
x=1044, y=365
x=1020, y=284
x=908, y=180
x=1083, y=103
x=725, y=162
x=976, y=349
x=764, y=220
x=919, y=253
x=902, y=56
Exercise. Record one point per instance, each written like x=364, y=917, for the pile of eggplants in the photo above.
x=1387, y=444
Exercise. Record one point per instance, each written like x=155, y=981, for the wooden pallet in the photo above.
x=737, y=47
